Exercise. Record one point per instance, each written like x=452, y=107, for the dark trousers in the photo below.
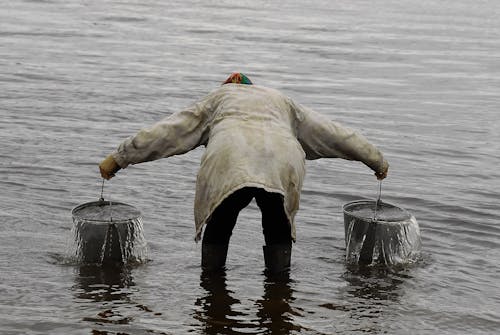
x=275, y=223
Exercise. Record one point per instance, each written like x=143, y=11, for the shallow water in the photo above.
x=419, y=79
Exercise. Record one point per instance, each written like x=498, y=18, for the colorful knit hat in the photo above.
x=237, y=78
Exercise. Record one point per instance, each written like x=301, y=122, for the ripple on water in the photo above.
x=419, y=79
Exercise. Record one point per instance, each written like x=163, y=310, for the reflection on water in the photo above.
x=219, y=315
x=373, y=283
x=370, y=293
x=98, y=283
x=274, y=311
x=418, y=78
x=110, y=288
x=104, y=284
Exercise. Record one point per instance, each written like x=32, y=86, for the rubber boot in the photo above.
x=213, y=257
x=277, y=258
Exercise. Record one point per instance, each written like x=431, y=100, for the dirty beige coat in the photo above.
x=254, y=136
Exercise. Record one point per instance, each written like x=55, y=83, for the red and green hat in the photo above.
x=237, y=78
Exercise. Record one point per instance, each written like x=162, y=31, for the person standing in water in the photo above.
x=257, y=141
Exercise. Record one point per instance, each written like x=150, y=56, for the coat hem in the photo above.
x=199, y=227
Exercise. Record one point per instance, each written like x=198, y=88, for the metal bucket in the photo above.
x=380, y=234
x=108, y=232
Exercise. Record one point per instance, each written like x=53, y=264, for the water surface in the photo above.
x=419, y=79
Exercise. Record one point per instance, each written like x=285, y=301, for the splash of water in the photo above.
x=393, y=237
x=105, y=232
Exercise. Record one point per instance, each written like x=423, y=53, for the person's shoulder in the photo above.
x=257, y=90
x=269, y=91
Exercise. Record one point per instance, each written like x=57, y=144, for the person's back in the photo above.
x=251, y=142
x=256, y=106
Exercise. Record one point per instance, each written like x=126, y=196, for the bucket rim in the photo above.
x=107, y=202
x=368, y=201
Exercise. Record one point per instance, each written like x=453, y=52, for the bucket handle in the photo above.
x=378, y=202
x=102, y=199
x=366, y=252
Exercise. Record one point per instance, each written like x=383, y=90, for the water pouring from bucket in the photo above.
x=377, y=232
x=108, y=232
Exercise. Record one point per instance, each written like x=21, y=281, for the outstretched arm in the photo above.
x=174, y=135
x=323, y=138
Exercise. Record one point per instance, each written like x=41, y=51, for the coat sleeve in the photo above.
x=174, y=135
x=322, y=138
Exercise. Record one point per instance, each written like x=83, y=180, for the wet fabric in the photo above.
x=254, y=137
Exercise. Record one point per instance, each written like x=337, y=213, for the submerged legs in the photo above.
x=275, y=225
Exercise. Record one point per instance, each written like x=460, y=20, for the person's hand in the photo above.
x=382, y=174
x=109, y=167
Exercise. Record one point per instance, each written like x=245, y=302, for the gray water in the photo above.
x=420, y=79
